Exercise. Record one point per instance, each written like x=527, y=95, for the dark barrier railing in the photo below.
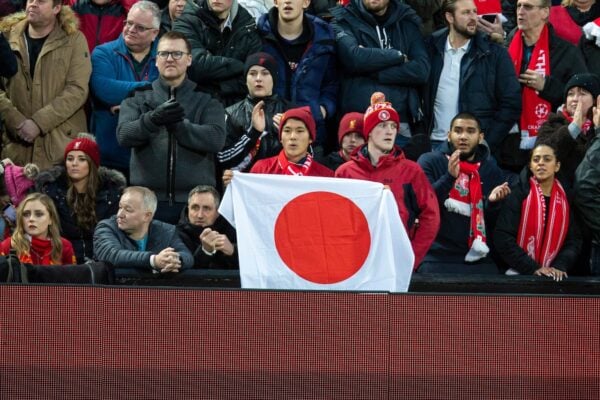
x=439, y=283
x=83, y=342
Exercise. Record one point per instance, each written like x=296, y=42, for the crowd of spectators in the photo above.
x=136, y=114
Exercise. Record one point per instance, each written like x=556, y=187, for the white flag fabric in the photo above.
x=297, y=232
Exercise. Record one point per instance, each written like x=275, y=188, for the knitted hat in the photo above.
x=88, y=146
x=587, y=81
x=379, y=111
x=18, y=180
x=304, y=115
x=351, y=122
x=591, y=30
x=265, y=60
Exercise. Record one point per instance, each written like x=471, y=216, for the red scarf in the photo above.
x=535, y=109
x=290, y=168
x=542, y=239
x=586, y=125
x=465, y=198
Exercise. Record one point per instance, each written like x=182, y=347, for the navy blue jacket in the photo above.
x=451, y=242
x=315, y=82
x=369, y=66
x=488, y=86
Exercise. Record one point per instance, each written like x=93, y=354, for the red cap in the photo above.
x=351, y=122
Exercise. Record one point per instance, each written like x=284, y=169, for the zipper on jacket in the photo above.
x=171, y=162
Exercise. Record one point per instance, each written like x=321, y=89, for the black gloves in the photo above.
x=167, y=113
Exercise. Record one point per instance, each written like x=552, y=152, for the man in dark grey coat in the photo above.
x=132, y=239
x=173, y=129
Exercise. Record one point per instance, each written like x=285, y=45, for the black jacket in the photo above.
x=488, y=86
x=218, y=57
x=190, y=235
x=8, y=66
x=587, y=188
x=369, y=65
x=54, y=183
x=241, y=137
x=451, y=242
x=507, y=229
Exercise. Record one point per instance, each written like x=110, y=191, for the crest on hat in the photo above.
x=76, y=145
x=352, y=124
x=384, y=115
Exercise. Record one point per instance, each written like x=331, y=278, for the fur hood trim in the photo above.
x=66, y=19
x=107, y=177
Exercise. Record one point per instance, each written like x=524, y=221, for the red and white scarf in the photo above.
x=543, y=238
x=290, y=168
x=465, y=198
x=535, y=110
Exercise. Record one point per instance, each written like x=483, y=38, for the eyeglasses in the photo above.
x=176, y=55
x=136, y=27
x=528, y=7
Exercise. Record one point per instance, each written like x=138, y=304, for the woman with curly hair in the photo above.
x=36, y=239
x=84, y=193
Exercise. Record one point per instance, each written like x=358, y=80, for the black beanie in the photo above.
x=264, y=60
x=587, y=81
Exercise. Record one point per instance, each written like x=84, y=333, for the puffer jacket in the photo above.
x=218, y=57
x=314, y=83
x=242, y=137
x=488, y=86
x=372, y=65
x=54, y=183
x=53, y=97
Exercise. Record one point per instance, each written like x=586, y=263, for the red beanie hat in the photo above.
x=304, y=115
x=351, y=122
x=88, y=146
x=379, y=111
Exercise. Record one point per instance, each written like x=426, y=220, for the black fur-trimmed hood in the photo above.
x=108, y=178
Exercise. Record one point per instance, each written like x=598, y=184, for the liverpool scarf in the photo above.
x=290, y=168
x=535, y=109
x=540, y=236
x=465, y=198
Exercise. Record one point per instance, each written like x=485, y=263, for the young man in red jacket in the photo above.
x=380, y=160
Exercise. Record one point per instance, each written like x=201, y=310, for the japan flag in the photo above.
x=297, y=232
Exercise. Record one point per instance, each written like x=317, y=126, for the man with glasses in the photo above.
x=118, y=67
x=173, y=129
x=543, y=63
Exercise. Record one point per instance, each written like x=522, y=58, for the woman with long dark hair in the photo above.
x=536, y=232
x=84, y=193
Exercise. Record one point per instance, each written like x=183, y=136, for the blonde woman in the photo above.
x=36, y=239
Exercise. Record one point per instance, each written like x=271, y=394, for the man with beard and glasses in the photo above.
x=470, y=73
x=466, y=181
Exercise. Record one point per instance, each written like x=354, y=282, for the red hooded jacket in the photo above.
x=416, y=198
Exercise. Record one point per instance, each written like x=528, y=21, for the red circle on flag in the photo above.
x=323, y=237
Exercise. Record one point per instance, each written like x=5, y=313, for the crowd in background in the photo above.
x=483, y=126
